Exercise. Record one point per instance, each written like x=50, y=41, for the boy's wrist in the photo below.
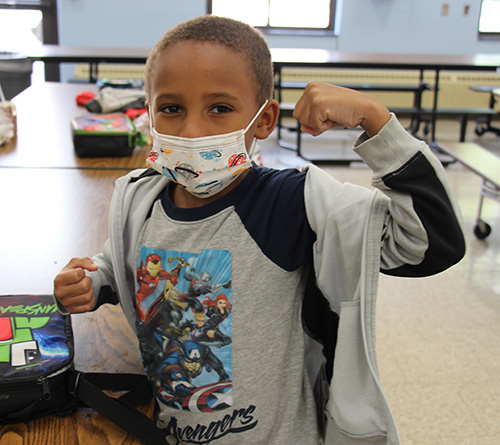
x=376, y=116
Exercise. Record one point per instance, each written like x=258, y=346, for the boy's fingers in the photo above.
x=64, y=290
x=313, y=114
x=74, y=271
x=71, y=276
x=80, y=304
x=322, y=107
x=79, y=300
x=320, y=128
x=84, y=263
x=73, y=288
x=76, y=298
x=310, y=130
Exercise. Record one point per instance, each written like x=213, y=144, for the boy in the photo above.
x=243, y=282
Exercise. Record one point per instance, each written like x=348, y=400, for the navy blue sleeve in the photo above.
x=432, y=205
x=274, y=214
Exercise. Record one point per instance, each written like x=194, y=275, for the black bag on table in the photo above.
x=37, y=374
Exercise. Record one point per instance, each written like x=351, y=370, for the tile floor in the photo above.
x=438, y=337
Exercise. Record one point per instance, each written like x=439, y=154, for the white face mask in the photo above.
x=203, y=166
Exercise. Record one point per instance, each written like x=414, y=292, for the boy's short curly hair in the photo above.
x=239, y=36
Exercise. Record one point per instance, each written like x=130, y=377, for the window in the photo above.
x=25, y=23
x=489, y=17
x=279, y=16
x=26, y=15
x=20, y=29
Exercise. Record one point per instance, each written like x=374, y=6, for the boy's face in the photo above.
x=202, y=89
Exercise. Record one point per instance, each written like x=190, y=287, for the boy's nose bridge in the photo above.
x=194, y=127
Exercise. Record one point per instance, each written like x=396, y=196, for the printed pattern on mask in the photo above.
x=203, y=166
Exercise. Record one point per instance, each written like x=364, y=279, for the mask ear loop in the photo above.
x=251, y=152
x=151, y=126
x=254, y=142
x=256, y=116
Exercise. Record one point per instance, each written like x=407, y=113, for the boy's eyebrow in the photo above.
x=222, y=95
x=169, y=96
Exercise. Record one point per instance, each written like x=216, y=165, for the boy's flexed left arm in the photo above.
x=422, y=234
x=325, y=106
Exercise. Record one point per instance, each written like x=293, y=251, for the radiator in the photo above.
x=111, y=71
x=453, y=86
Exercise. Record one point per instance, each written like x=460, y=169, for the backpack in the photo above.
x=38, y=376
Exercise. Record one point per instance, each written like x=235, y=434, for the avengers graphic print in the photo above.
x=184, y=324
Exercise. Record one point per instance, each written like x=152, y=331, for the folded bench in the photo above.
x=484, y=125
x=464, y=114
x=420, y=115
x=483, y=163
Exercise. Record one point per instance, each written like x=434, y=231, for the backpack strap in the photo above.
x=88, y=387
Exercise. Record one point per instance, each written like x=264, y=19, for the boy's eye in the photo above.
x=171, y=109
x=219, y=109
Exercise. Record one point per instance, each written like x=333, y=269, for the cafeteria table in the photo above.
x=54, y=207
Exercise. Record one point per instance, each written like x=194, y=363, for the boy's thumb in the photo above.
x=89, y=265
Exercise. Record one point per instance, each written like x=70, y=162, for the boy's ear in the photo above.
x=267, y=120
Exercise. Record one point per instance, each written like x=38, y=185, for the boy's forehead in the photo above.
x=192, y=49
x=209, y=62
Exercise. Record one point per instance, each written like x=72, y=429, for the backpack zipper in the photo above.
x=44, y=381
x=46, y=395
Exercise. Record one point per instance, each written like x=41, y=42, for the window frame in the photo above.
x=275, y=30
